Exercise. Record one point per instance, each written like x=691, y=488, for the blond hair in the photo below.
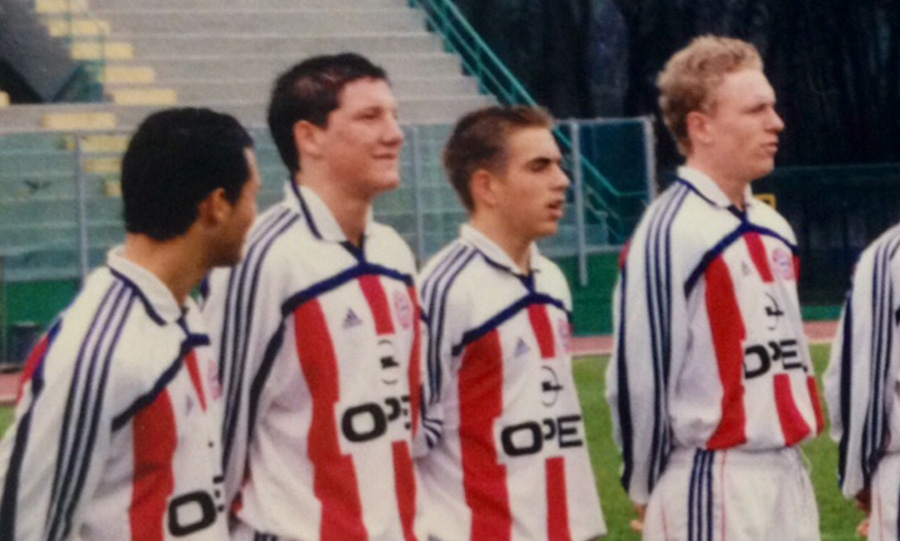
x=690, y=76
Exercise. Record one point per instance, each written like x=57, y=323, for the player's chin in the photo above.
x=383, y=183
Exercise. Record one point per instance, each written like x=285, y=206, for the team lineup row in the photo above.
x=322, y=388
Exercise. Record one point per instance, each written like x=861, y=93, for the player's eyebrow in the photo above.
x=541, y=162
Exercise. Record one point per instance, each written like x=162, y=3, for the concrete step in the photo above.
x=95, y=49
x=292, y=44
x=253, y=114
x=66, y=26
x=128, y=74
x=206, y=67
x=71, y=120
x=312, y=22
x=198, y=92
x=142, y=95
x=52, y=7
x=105, y=116
x=231, y=5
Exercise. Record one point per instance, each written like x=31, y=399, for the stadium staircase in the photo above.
x=224, y=54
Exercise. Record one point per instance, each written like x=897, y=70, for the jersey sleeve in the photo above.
x=442, y=328
x=52, y=457
x=863, y=363
x=243, y=314
x=651, y=323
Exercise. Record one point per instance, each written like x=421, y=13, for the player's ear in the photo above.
x=697, y=126
x=215, y=208
x=483, y=186
x=306, y=138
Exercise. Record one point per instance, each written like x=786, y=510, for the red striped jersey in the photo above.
x=116, y=430
x=863, y=377
x=318, y=346
x=504, y=454
x=709, y=345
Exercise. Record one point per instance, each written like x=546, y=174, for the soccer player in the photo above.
x=318, y=329
x=116, y=433
x=861, y=388
x=711, y=384
x=504, y=454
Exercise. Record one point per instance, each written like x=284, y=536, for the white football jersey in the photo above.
x=318, y=345
x=862, y=384
x=504, y=453
x=709, y=349
x=117, y=423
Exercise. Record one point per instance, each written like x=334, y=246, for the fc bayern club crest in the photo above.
x=784, y=263
x=403, y=308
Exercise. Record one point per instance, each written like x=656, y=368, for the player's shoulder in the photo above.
x=552, y=272
x=388, y=245
x=452, y=278
x=771, y=219
x=884, y=248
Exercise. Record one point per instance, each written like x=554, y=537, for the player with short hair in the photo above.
x=711, y=383
x=861, y=388
x=504, y=453
x=318, y=329
x=117, y=421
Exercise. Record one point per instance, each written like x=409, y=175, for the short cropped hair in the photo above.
x=690, y=76
x=175, y=159
x=480, y=141
x=310, y=91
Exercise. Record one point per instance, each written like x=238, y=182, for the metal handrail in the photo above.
x=496, y=78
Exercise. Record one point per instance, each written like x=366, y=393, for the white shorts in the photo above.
x=885, y=496
x=733, y=495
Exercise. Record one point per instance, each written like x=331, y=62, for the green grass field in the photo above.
x=838, y=518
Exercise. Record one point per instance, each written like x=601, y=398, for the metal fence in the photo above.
x=61, y=210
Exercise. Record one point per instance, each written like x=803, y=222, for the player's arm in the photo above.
x=247, y=331
x=649, y=314
x=442, y=322
x=52, y=457
x=863, y=363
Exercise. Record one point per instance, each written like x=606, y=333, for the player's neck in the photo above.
x=350, y=210
x=732, y=186
x=514, y=245
x=175, y=262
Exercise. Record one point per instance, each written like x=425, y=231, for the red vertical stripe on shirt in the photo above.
x=817, y=403
x=543, y=331
x=155, y=438
x=480, y=404
x=758, y=254
x=335, y=483
x=793, y=427
x=378, y=303
x=415, y=361
x=728, y=335
x=34, y=359
x=405, y=483
x=557, y=501
x=796, y=268
x=194, y=369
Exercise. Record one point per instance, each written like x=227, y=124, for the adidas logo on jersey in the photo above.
x=351, y=319
x=522, y=348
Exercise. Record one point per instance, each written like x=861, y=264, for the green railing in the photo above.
x=602, y=198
